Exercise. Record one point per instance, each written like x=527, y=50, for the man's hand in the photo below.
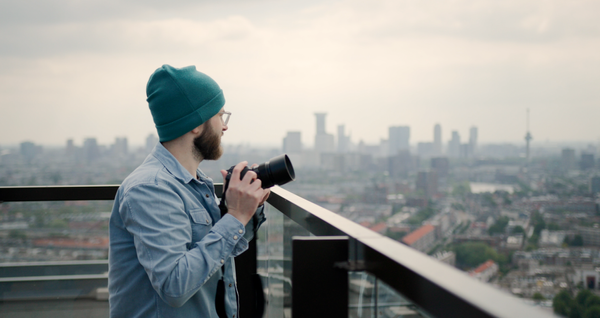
x=244, y=196
x=268, y=190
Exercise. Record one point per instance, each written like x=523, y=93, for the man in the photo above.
x=169, y=246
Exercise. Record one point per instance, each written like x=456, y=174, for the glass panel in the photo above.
x=391, y=304
x=57, y=239
x=361, y=295
x=274, y=258
x=369, y=297
x=54, y=231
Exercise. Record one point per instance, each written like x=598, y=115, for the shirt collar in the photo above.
x=170, y=162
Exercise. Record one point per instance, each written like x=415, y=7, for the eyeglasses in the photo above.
x=225, y=117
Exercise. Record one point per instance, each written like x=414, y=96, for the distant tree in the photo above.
x=17, y=234
x=592, y=312
x=488, y=199
x=577, y=240
x=534, y=239
x=458, y=206
x=58, y=224
x=471, y=254
x=562, y=303
x=518, y=230
x=592, y=301
x=461, y=189
x=538, y=296
x=395, y=235
x=583, y=296
x=499, y=227
x=553, y=227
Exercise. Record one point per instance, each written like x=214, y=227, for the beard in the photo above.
x=208, y=145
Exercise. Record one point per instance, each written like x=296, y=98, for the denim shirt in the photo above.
x=168, y=243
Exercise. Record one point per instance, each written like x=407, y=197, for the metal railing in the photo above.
x=338, y=245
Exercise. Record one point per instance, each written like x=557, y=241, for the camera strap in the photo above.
x=222, y=204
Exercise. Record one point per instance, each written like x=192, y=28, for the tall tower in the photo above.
x=399, y=137
x=437, y=139
x=473, y=140
x=320, y=123
x=528, y=138
x=324, y=142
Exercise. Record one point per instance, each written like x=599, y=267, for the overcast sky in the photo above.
x=77, y=69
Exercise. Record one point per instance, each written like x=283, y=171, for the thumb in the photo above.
x=224, y=174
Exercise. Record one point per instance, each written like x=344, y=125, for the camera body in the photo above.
x=277, y=171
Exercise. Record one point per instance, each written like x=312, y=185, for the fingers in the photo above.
x=235, y=175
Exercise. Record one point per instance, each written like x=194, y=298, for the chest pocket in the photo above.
x=201, y=224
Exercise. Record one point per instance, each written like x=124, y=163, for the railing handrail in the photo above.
x=442, y=291
x=439, y=289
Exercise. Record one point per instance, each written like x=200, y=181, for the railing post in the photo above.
x=319, y=289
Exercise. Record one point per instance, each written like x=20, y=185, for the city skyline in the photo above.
x=79, y=70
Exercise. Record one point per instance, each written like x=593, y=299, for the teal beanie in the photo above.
x=181, y=99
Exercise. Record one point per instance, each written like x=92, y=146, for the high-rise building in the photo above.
x=425, y=149
x=120, y=147
x=441, y=166
x=324, y=142
x=399, y=138
x=292, y=143
x=320, y=123
x=595, y=185
x=91, y=151
x=472, y=140
x=70, y=149
x=29, y=150
x=568, y=159
x=528, y=138
x=437, y=139
x=427, y=183
x=343, y=144
x=587, y=161
x=454, y=145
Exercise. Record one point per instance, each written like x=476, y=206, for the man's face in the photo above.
x=208, y=145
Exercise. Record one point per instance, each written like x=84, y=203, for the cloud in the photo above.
x=368, y=64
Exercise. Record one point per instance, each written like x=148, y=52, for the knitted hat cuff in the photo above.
x=175, y=128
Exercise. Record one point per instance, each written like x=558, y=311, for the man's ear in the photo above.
x=198, y=130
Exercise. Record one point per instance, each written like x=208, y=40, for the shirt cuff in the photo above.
x=232, y=231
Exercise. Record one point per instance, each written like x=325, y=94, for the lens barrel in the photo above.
x=276, y=171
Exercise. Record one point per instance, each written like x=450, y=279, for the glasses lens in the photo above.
x=226, y=117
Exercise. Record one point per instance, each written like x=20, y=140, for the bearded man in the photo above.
x=170, y=248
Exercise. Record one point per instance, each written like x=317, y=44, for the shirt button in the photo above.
x=207, y=195
x=235, y=237
x=230, y=285
x=240, y=231
x=222, y=261
x=207, y=221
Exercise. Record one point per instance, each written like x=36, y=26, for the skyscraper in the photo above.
x=472, y=140
x=528, y=138
x=91, y=151
x=343, y=143
x=292, y=143
x=437, y=139
x=568, y=158
x=120, y=148
x=454, y=145
x=399, y=137
x=70, y=149
x=324, y=142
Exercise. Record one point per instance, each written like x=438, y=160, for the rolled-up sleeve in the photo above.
x=156, y=217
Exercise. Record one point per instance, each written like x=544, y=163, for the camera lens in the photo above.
x=277, y=171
